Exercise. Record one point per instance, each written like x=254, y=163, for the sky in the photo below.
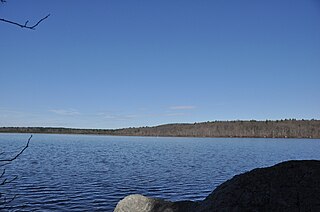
x=116, y=63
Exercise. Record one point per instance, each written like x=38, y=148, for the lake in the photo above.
x=92, y=173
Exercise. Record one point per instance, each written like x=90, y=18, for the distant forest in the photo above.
x=288, y=128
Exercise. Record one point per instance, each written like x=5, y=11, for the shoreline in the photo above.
x=153, y=136
x=306, y=129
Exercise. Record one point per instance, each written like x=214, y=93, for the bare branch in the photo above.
x=5, y=201
x=6, y=181
x=25, y=25
x=15, y=157
x=4, y=171
x=4, y=164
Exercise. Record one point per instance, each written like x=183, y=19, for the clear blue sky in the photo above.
x=115, y=63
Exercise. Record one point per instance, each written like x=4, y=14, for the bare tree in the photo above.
x=4, y=199
x=26, y=24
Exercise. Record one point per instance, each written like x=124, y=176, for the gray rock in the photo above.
x=139, y=203
x=288, y=186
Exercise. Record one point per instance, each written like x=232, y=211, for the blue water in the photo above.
x=92, y=173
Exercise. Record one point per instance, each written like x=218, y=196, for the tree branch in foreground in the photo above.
x=5, y=201
x=3, y=180
x=17, y=155
x=25, y=25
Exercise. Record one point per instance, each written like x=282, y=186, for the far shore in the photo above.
x=289, y=128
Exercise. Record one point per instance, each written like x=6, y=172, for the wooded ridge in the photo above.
x=288, y=128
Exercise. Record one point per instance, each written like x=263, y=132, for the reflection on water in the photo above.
x=92, y=173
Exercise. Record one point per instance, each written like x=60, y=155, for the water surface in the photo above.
x=92, y=173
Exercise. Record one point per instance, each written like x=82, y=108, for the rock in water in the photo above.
x=139, y=203
x=288, y=186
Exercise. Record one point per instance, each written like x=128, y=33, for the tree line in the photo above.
x=288, y=128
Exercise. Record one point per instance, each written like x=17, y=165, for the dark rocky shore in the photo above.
x=288, y=186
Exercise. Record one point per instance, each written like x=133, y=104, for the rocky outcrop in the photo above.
x=139, y=203
x=288, y=186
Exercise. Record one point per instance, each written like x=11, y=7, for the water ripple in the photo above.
x=92, y=173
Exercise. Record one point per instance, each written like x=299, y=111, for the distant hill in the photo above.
x=254, y=129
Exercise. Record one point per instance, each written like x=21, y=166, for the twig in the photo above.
x=4, y=164
x=4, y=171
x=25, y=25
x=15, y=157
x=5, y=201
x=5, y=181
